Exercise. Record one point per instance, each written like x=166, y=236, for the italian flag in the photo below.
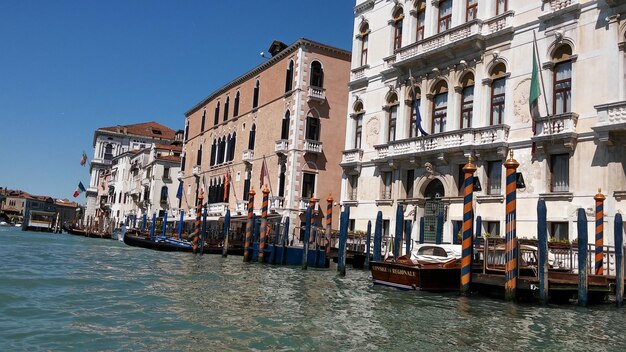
x=80, y=189
x=535, y=91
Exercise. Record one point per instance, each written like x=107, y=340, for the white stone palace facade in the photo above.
x=470, y=64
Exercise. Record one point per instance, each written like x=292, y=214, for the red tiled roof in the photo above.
x=169, y=158
x=150, y=129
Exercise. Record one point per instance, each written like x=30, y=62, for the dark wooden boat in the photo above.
x=438, y=271
x=82, y=232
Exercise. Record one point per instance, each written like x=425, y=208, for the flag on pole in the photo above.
x=80, y=189
x=202, y=188
x=535, y=91
x=179, y=193
x=264, y=173
x=83, y=159
x=226, y=185
x=533, y=97
x=418, y=116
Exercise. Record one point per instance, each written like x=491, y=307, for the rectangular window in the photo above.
x=501, y=6
x=559, y=231
x=413, y=120
x=393, y=115
x=420, y=16
x=471, y=10
x=562, y=87
x=559, y=170
x=445, y=15
x=408, y=183
x=386, y=185
x=397, y=35
x=494, y=171
x=166, y=173
x=497, y=101
x=358, y=131
x=308, y=185
x=467, y=107
x=440, y=108
x=493, y=228
x=364, y=45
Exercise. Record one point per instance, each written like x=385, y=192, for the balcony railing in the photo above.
x=311, y=146
x=180, y=175
x=611, y=118
x=276, y=203
x=554, y=8
x=196, y=170
x=358, y=73
x=247, y=156
x=317, y=93
x=281, y=146
x=550, y=126
x=459, y=140
x=217, y=208
x=476, y=29
x=242, y=207
x=352, y=156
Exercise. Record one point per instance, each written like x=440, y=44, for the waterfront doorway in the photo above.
x=433, y=206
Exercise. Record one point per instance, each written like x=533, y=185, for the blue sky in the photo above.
x=70, y=67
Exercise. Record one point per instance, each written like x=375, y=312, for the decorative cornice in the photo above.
x=365, y=6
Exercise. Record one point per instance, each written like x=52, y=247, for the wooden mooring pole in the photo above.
x=263, y=232
x=378, y=237
x=582, y=258
x=511, y=272
x=307, y=234
x=468, y=219
x=343, y=239
x=619, y=260
x=397, y=240
x=366, y=263
x=329, y=222
x=599, y=198
x=226, y=228
x=542, y=234
x=249, y=227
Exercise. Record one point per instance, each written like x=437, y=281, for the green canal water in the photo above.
x=62, y=292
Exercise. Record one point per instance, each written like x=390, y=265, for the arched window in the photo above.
x=289, y=77
x=164, y=194
x=255, y=97
x=420, y=17
x=358, y=124
x=467, y=100
x=108, y=152
x=317, y=75
x=392, y=116
x=203, y=120
x=226, y=106
x=186, y=131
x=199, y=156
x=471, y=10
x=398, y=16
x=213, y=152
x=562, y=80
x=284, y=131
x=251, y=137
x=440, y=107
x=236, y=107
x=222, y=149
x=312, y=128
x=231, y=149
x=445, y=15
x=498, y=85
x=216, y=119
x=364, y=32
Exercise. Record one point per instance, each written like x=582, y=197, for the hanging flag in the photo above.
x=202, y=185
x=264, y=173
x=226, y=185
x=179, y=193
x=80, y=189
x=533, y=97
x=418, y=116
x=83, y=159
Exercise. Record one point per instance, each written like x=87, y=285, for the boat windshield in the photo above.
x=432, y=250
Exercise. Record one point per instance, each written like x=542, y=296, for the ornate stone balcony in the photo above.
x=554, y=8
x=469, y=36
x=242, y=207
x=556, y=129
x=217, y=209
x=611, y=121
x=466, y=140
x=276, y=203
x=311, y=146
x=247, y=156
x=317, y=93
x=196, y=170
x=180, y=175
x=351, y=161
x=281, y=146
